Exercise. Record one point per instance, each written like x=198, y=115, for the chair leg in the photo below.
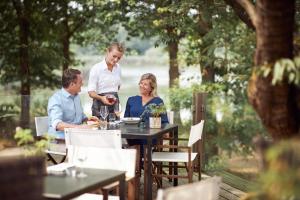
x=137, y=174
x=190, y=172
x=105, y=194
x=160, y=171
x=171, y=165
x=131, y=189
x=199, y=169
x=157, y=170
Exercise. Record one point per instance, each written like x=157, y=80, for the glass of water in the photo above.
x=103, y=112
x=81, y=157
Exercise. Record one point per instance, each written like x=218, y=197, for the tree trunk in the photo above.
x=23, y=20
x=276, y=105
x=65, y=37
x=208, y=74
x=173, y=62
x=174, y=74
x=66, y=51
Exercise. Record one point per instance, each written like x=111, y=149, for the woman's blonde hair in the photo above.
x=152, y=81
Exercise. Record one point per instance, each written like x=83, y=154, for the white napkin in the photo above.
x=59, y=168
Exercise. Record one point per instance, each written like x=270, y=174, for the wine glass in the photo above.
x=103, y=112
x=118, y=109
x=111, y=98
x=81, y=157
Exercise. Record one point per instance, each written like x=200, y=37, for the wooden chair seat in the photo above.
x=172, y=156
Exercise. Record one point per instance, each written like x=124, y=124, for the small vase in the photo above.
x=155, y=122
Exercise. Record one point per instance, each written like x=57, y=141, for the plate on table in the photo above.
x=130, y=120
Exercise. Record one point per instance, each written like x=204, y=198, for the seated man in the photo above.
x=64, y=107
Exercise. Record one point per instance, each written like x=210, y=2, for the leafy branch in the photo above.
x=282, y=69
x=26, y=140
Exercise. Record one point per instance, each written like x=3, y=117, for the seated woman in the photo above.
x=136, y=105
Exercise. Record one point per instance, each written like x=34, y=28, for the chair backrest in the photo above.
x=170, y=115
x=207, y=189
x=41, y=125
x=93, y=138
x=196, y=133
x=104, y=158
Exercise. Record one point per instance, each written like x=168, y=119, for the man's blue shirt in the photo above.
x=64, y=107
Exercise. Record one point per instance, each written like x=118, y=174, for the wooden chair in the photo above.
x=57, y=147
x=106, y=158
x=207, y=189
x=186, y=157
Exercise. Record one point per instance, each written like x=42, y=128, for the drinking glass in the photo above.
x=118, y=110
x=111, y=98
x=111, y=118
x=103, y=125
x=103, y=112
x=82, y=156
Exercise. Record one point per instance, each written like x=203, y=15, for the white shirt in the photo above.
x=102, y=80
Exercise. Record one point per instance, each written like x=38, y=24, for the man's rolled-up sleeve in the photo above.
x=55, y=112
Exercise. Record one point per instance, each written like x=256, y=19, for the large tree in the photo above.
x=82, y=22
x=28, y=50
x=277, y=105
x=168, y=21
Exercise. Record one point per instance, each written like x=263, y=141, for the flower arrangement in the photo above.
x=156, y=110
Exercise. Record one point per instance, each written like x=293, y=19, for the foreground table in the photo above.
x=66, y=187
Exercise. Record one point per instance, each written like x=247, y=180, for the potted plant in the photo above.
x=155, y=110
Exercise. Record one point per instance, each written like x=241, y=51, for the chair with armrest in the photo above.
x=106, y=158
x=55, y=148
x=187, y=157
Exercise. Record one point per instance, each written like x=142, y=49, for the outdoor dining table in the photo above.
x=67, y=187
x=133, y=131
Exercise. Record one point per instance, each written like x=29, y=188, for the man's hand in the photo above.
x=93, y=118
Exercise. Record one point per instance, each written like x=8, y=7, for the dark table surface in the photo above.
x=66, y=187
x=133, y=131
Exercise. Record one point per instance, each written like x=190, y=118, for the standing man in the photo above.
x=64, y=107
x=105, y=78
